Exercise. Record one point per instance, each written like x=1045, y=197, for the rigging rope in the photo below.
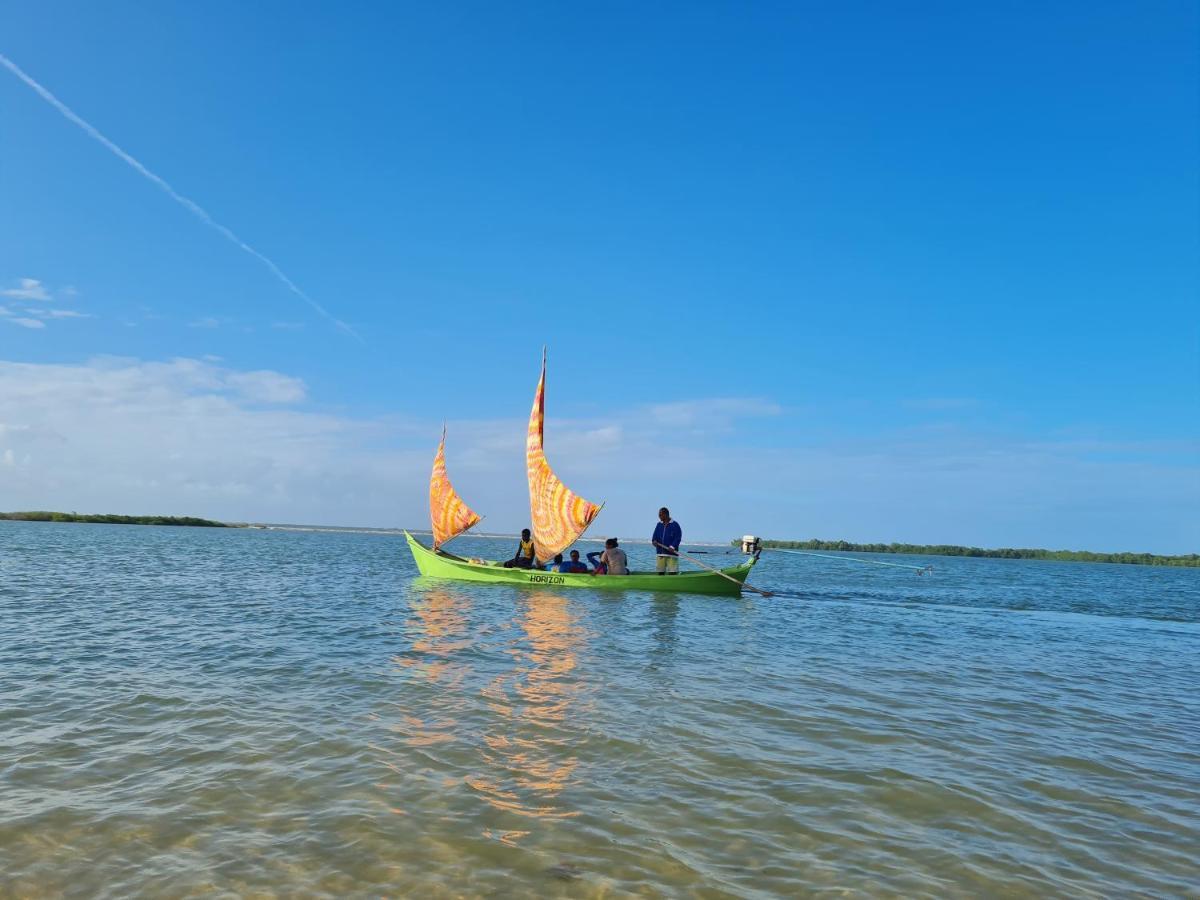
x=921, y=570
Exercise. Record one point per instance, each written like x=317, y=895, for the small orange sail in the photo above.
x=559, y=515
x=449, y=515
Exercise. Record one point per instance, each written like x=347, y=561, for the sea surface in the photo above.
x=197, y=712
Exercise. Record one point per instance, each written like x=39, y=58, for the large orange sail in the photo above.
x=449, y=515
x=559, y=515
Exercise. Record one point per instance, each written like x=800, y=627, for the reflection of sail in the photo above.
x=558, y=514
x=439, y=626
x=530, y=758
x=449, y=515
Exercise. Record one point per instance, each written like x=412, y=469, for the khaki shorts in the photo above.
x=668, y=564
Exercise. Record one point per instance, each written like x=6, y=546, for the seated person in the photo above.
x=525, y=555
x=612, y=561
x=556, y=565
x=573, y=565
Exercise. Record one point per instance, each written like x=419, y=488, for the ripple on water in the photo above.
x=193, y=712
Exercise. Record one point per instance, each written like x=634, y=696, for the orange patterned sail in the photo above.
x=559, y=515
x=450, y=516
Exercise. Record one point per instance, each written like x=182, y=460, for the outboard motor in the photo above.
x=751, y=545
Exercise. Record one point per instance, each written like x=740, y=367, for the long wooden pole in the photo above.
x=713, y=569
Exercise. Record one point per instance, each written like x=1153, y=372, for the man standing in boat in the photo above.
x=667, y=538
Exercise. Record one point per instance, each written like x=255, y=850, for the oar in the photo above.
x=714, y=569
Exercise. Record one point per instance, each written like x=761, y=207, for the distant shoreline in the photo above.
x=108, y=519
x=1190, y=560
x=351, y=529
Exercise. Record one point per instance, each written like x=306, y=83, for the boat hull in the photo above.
x=438, y=565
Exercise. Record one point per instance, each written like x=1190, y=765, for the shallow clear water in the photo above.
x=194, y=711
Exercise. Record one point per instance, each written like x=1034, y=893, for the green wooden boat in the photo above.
x=440, y=564
x=558, y=518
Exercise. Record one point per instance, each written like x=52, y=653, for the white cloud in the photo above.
x=716, y=411
x=183, y=435
x=268, y=387
x=189, y=436
x=57, y=314
x=205, y=322
x=28, y=289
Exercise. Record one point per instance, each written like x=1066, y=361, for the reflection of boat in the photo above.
x=559, y=517
x=443, y=565
x=530, y=751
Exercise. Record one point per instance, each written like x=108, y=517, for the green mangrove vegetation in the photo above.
x=1135, y=559
x=42, y=516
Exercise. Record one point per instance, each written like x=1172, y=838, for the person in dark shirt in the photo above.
x=667, y=537
x=525, y=553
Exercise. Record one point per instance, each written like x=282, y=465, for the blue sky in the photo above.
x=842, y=270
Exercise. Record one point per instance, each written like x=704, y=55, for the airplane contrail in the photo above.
x=190, y=205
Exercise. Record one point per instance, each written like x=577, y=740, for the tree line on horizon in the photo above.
x=108, y=519
x=1191, y=560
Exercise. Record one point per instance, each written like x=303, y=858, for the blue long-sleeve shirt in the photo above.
x=669, y=535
